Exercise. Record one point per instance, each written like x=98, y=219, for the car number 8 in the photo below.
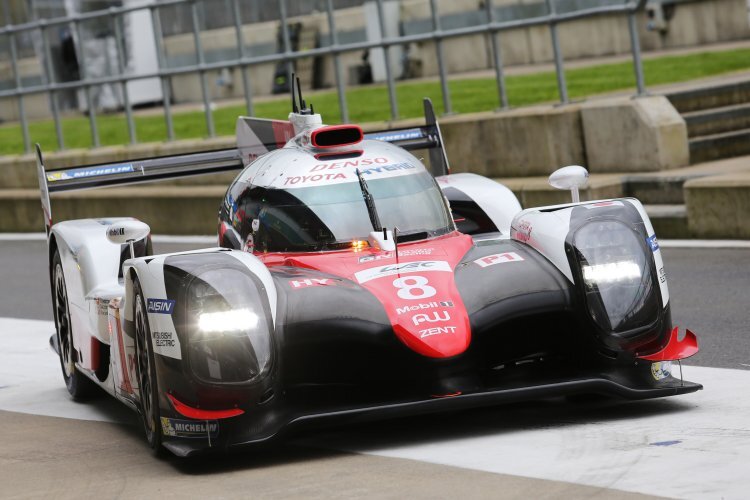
x=409, y=284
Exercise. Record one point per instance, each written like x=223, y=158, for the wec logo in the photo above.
x=160, y=306
x=403, y=268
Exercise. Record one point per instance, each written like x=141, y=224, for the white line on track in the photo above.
x=691, y=446
x=211, y=241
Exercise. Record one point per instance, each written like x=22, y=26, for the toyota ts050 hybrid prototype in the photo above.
x=352, y=282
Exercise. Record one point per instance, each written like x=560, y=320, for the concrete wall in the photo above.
x=517, y=143
x=718, y=207
x=641, y=134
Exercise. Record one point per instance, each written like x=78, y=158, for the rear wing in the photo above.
x=255, y=137
x=427, y=137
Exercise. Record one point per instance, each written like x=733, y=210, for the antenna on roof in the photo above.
x=295, y=109
x=299, y=106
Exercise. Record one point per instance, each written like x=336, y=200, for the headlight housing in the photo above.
x=229, y=337
x=618, y=279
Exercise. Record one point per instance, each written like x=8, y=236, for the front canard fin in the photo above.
x=676, y=349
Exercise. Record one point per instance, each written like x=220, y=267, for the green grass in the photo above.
x=370, y=103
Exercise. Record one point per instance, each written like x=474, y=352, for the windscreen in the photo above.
x=330, y=217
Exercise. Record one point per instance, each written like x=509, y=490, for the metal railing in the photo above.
x=491, y=27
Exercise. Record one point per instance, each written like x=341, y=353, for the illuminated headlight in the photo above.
x=229, y=323
x=616, y=268
x=608, y=273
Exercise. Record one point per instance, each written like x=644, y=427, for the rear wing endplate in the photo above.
x=427, y=137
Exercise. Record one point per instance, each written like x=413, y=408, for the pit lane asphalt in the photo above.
x=709, y=292
x=41, y=456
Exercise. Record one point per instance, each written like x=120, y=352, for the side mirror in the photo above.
x=127, y=231
x=571, y=177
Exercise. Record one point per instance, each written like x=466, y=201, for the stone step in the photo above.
x=669, y=221
x=718, y=120
x=656, y=190
x=167, y=209
x=696, y=99
x=718, y=206
x=717, y=146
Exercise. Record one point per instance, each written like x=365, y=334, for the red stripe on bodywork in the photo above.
x=125, y=383
x=198, y=414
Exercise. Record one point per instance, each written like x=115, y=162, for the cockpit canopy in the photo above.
x=297, y=203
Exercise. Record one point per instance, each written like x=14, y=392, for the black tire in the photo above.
x=79, y=386
x=146, y=372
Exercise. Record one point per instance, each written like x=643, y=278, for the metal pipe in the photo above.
x=124, y=85
x=165, y=80
x=635, y=49
x=497, y=56
x=562, y=87
x=568, y=16
x=448, y=109
x=201, y=72
x=50, y=77
x=21, y=104
x=87, y=87
x=386, y=55
x=241, y=53
x=343, y=109
x=285, y=40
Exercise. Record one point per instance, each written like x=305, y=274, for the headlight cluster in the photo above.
x=228, y=339
x=617, y=277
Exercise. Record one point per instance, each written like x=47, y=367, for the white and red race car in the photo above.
x=351, y=282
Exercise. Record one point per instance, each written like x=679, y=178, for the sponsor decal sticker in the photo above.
x=427, y=305
x=662, y=276
x=652, y=243
x=79, y=173
x=116, y=231
x=388, y=168
x=402, y=268
x=363, y=162
x=433, y=317
x=428, y=332
x=312, y=282
x=401, y=135
x=522, y=232
x=308, y=179
x=498, y=258
x=189, y=428
x=401, y=253
x=661, y=369
x=163, y=339
x=601, y=204
x=160, y=306
x=343, y=171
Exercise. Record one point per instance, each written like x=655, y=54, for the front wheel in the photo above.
x=79, y=386
x=146, y=370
